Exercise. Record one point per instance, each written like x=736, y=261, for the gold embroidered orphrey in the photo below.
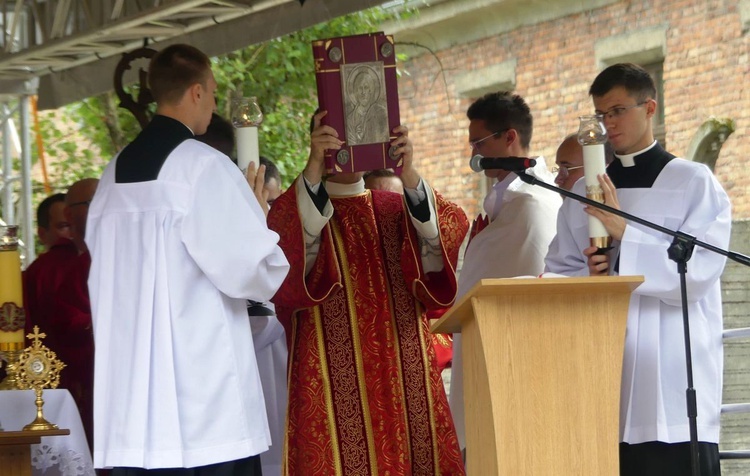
x=38, y=368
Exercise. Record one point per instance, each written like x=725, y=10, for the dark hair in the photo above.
x=502, y=111
x=174, y=69
x=634, y=79
x=42, y=211
x=219, y=135
x=271, y=170
x=379, y=173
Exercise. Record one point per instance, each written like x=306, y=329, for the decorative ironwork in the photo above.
x=138, y=107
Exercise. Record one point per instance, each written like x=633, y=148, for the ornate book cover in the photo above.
x=356, y=79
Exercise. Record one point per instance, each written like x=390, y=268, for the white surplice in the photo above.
x=173, y=261
x=514, y=243
x=272, y=354
x=685, y=197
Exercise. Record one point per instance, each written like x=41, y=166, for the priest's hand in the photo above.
x=409, y=175
x=257, y=182
x=322, y=138
x=598, y=264
x=614, y=224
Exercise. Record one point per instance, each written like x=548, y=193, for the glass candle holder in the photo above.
x=246, y=117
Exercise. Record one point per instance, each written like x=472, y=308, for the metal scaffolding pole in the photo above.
x=26, y=209
x=7, y=185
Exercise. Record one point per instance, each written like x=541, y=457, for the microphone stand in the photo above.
x=680, y=252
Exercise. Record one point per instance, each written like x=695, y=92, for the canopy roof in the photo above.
x=71, y=47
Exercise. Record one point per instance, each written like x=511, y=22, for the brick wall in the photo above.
x=705, y=72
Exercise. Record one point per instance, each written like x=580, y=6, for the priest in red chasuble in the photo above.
x=365, y=395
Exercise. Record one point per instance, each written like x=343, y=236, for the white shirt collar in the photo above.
x=628, y=160
x=345, y=189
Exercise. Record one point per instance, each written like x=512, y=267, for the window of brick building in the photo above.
x=656, y=70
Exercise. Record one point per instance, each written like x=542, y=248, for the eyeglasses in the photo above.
x=85, y=202
x=618, y=111
x=474, y=145
x=563, y=172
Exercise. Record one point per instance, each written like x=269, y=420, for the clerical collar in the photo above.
x=345, y=189
x=142, y=159
x=647, y=165
x=171, y=123
x=628, y=160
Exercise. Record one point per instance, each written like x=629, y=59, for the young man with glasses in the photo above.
x=649, y=182
x=520, y=220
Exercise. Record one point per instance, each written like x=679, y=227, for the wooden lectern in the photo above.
x=542, y=360
x=15, y=450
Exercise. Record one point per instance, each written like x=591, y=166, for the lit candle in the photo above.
x=592, y=135
x=246, y=117
x=12, y=316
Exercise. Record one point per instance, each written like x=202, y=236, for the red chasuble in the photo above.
x=365, y=395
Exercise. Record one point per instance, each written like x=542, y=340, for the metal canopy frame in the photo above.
x=61, y=34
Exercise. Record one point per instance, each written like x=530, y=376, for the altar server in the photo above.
x=649, y=182
x=178, y=244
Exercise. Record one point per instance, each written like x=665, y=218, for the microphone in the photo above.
x=512, y=164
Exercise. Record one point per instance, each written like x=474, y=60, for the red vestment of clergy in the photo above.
x=365, y=395
x=56, y=298
x=41, y=281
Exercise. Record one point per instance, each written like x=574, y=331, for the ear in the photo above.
x=511, y=136
x=650, y=107
x=41, y=233
x=196, y=92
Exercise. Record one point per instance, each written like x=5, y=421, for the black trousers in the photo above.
x=241, y=467
x=655, y=458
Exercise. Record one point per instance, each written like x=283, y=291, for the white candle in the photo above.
x=594, y=164
x=247, y=147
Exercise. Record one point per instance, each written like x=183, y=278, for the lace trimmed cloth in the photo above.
x=54, y=455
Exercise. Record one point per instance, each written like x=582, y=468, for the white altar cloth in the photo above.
x=55, y=455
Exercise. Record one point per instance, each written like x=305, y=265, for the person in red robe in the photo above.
x=365, y=396
x=56, y=300
x=386, y=179
x=51, y=223
x=45, y=273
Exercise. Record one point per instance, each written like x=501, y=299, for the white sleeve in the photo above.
x=565, y=255
x=225, y=232
x=429, y=237
x=313, y=221
x=701, y=209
